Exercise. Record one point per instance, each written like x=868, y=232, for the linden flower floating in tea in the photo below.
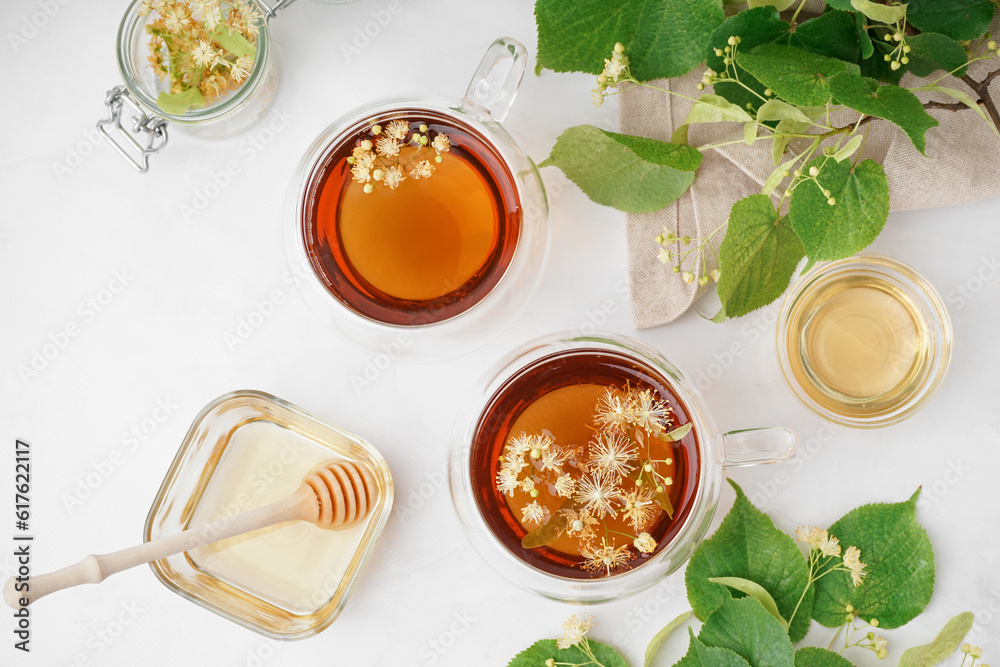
x=395, y=153
x=603, y=497
x=203, y=48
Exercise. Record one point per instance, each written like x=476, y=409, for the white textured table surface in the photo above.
x=77, y=222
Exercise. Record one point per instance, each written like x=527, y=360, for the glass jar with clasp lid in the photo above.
x=140, y=109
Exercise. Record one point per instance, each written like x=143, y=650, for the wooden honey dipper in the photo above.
x=338, y=495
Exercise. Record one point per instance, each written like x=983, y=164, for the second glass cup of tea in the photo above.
x=588, y=468
x=419, y=223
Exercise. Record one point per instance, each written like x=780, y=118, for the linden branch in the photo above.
x=982, y=89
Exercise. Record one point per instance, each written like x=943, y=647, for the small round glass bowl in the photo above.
x=864, y=342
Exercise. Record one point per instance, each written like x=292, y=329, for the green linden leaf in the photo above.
x=933, y=51
x=867, y=48
x=629, y=173
x=700, y=655
x=959, y=19
x=880, y=13
x=757, y=259
x=894, y=104
x=660, y=637
x=780, y=5
x=862, y=207
x=843, y=5
x=794, y=75
x=754, y=27
x=900, y=567
x=811, y=656
x=832, y=34
x=745, y=627
x=661, y=39
x=536, y=655
x=234, y=42
x=754, y=590
x=179, y=103
x=947, y=641
x=748, y=546
x=877, y=68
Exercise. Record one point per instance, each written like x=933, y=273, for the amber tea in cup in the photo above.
x=561, y=406
x=426, y=247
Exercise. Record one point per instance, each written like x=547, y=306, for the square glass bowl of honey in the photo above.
x=245, y=450
x=864, y=342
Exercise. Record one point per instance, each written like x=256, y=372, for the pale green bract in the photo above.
x=946, y=643
x=881, y=13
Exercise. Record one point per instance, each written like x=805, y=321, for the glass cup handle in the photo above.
x=754, y=446
x=494, y=85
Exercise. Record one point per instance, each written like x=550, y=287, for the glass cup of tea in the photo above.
x=623, y=462
x=418, y=222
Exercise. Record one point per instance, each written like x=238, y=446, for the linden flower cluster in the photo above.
x=668, y=255
x=970, y=651
x=575, y=629
x=615, y=71
x=616, y=474
x=184, y=46
x=821, y=544
x=866, y=639
x=380, y=159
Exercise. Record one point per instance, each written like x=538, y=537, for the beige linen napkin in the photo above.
x=963, y=165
